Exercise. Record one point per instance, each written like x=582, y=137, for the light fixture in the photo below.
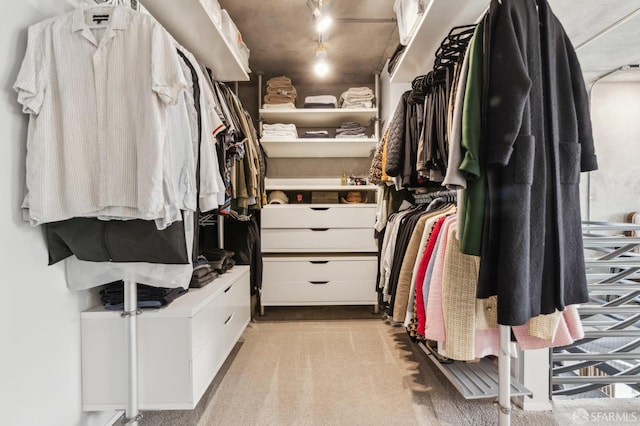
x=321, y=67
x=323, y=20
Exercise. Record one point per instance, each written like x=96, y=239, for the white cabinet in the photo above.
x=181, y=347
x=318, y=254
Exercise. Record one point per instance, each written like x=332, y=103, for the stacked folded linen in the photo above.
x=279, y=131
x=321, y=101
x=280, y=91
x=286, y=105
x=357, y=97
x=350, y=130
x=315, y=134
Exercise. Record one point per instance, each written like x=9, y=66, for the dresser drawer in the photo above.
x=290, y=293
x=360, y=216
x=281, y=269
x=319, y=240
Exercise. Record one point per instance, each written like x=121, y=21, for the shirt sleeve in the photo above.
x=167, y=77
x=30, y=83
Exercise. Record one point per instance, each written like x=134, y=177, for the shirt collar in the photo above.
x=118, y=18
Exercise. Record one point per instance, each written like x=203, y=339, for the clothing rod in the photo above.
x=130, y=315
x=504, y=377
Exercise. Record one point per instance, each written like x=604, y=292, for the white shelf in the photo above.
x=313, y=184
x=189, y=24
x=319, y=117
x=436, y=22
x=319, y=148
x=187, y=305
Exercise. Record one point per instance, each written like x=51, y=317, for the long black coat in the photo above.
x=538, y=140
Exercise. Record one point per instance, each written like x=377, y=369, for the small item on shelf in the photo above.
x=355, y=180
x=353, y=197
x=344, y=179
x=278, y=197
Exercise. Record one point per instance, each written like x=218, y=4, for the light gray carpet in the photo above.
x=345, y=372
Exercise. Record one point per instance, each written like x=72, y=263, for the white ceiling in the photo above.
x=606, y=34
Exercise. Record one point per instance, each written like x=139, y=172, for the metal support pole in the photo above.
x=377, y=95
x=259, y=104
x=220, y=231
x=504, y=377
x=130, y=315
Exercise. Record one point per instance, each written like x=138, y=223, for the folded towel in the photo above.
x=356, y=97
x=356, y=104
x=279, y=99
x=351, y=136
x=286, y=105
x=279, y=81
x=279, y=126
x=282, y=90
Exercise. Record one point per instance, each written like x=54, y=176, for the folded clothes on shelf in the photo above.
x=321, y=101
x=279, y=131
x=286, y=105
x=112, y=296
x=280, y=91
x=315, y=134
x=357, y=97
x=351, y=129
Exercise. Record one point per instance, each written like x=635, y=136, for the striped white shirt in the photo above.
x=97, y=99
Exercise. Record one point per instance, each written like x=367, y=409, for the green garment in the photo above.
x=472, y=165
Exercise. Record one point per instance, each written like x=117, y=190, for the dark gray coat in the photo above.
x=538, y=140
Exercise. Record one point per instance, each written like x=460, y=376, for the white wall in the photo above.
x=39, y=317
x=615, y=186
x=390, y=94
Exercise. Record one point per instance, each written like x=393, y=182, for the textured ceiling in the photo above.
x=282, y=40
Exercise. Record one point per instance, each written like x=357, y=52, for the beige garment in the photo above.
x=279, y=99
x=403, y=287
x=279, y=81
x=282, y=90
x=545, y=326
x=459, y=282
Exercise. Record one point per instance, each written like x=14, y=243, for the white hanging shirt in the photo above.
x=97, y=99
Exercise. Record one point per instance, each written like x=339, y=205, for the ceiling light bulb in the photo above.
x=321, y=68
x=323, y=22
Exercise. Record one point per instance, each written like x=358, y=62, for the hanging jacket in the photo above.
x=539, y=139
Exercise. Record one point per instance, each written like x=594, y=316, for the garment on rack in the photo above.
x=82, y=274
x=97, y=240
x=59, y=161
x=539, y=140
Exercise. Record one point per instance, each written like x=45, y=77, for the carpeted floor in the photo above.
x=314, y=371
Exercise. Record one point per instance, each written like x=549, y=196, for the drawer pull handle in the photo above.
x=319, y=282
x=228, y=288
x=228, y=319
x=319, y=262
x=319, y=229
x=318, y=209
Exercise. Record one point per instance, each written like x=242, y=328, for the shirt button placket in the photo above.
x=101, y=110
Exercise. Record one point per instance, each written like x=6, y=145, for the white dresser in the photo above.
x=318, y=254
x=181, y=347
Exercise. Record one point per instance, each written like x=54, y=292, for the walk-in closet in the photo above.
x=320, y=212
